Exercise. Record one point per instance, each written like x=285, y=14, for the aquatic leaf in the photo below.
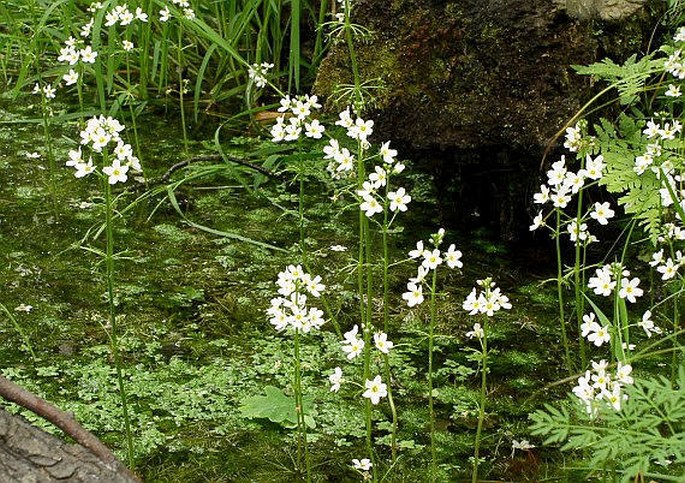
x=276, y=407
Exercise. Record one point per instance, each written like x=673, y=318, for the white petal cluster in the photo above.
x=258, y=72
x=123, y=16
x=290, y=310
x=99, y=134
x=610, y=276
x=299, y=109
x=598, y=387
x=375, y=390
x=430, y=260
x=594, y=332
x=668, y=267
x=486, y=300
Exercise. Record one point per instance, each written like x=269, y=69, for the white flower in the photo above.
x=362, y=465
x=331, y=149
x=375, y=390
x=647, y=324
x=594, y=167
x=71, y=77
x=599, y=334
x=419, y=250
x=431, y=259
x=589, y=324
x=164, y=14
x=313, y=129
x=345, y=119
x=387, y=154
x=33, y=155
x=453, y=257
x=543, y=196
x=602, y=282
x=353, y=347
x=370, y=206
x=189, y=13
x=88, y=55
x=116, y=172
x=414, y=296
x=336, y=379
x=140, y=15
x=476, y=332
x=557, y=174
x=378, y=178
x=84, y=169
x=49, y=91
x=629, y=289
x=668, y=270
x=602, y=213
x=673, y=91
x=361, y=129
x=398, y=200
x=380, y=339
x=652, y=129
x=127, y=45
x=338, y=248
x=537, y=222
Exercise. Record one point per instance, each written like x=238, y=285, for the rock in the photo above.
x=466, y=78
x=28, y=454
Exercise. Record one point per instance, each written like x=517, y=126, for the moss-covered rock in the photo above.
x=473, y=73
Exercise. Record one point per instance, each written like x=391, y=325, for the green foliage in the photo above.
x=629, y=79
x=649, y=430
x=639, y=193
x=276, y=407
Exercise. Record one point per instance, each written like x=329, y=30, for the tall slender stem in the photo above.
x=113, y=336
x=431, y=409
x=560, y=294
x=481, y=403
x=181, y=87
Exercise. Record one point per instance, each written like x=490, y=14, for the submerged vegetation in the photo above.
x=225, y=282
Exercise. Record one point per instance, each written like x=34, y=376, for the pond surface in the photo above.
x=195, y=337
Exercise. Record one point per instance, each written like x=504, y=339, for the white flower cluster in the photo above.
x=667, y=266
x=290, y=309
x=599, y=386
x=258, y=72
x=300, y=109
x=358, y=128
x=562, y=184
x=594, y=332
x=98, y=134
x=674, y=64
x=47, y=91
x=371, y=202
x=353, y=346
x=123, y=16
x=605, y=282
x=488, y=300
x=188, y=13
x=430, y=261
x=72, y=52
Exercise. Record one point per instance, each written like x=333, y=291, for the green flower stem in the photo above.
x=393, y=409
x=578, y=283
x=50, y=153
x=113, y=336
x=180, y=87
x=386, y=301
x=560, y=294
x=302, y=450
x=481, y=402
x=431, y=409
x=353, y=56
